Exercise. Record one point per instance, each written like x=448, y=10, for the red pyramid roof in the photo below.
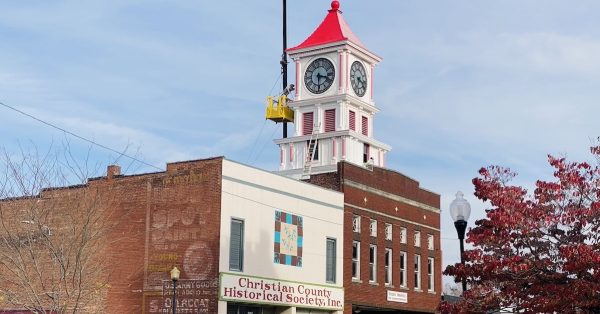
x=332, y=29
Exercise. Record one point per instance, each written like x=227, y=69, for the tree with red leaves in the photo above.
x=534, y=253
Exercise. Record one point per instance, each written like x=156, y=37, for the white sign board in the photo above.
x=241, y=288
x=397, y=296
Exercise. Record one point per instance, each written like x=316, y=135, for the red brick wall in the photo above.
x=161, y=220
x=173, y=219
x=327, y=180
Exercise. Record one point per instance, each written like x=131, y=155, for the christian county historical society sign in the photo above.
x=279, y=292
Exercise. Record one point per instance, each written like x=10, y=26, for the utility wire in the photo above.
x=78, y=136
x=256, y=141
x=275, y=84
x=279, y=208
x=263, y=126
x=265, y=143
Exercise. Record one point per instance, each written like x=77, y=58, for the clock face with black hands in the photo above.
x=358, y=78
x=319, y=76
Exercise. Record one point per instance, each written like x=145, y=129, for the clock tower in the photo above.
x=333, y=103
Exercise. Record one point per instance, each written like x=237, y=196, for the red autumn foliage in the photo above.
x=534, y=252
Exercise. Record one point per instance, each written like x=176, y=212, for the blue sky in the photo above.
x=462, y=84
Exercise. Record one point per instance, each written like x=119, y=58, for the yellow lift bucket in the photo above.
x=278, y=111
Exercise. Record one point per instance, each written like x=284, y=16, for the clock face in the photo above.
x=358, y=78
x=319, y=76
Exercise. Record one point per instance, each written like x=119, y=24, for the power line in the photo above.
x=265, y=122
x=279, y=208
x=265, y=143
x=256, y=141
x=78, y=136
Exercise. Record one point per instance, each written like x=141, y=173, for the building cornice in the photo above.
x=371, y=141
x=391, y=196
x=316, y=169
x=335, y=47
x=370, y=107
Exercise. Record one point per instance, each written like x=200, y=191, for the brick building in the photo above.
x=245, y=240
x=392, y=254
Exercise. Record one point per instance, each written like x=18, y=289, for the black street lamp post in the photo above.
x=460, y=210
x=174, y=276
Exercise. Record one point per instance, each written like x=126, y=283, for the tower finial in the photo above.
x=335, y=5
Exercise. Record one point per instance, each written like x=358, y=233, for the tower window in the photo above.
x=330, y=120
x=315, y=149
x=366, y=149
x=365, y=126
x=352, y=120
x=307, y=123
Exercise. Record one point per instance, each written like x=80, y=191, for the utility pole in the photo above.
x=284, y=59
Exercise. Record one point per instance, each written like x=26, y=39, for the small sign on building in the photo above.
x=397, y=296
x=193, y=296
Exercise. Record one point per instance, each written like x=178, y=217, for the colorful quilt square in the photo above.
x=289, y=234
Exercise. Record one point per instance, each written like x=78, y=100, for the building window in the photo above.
x=402, y=235
x=417, y=238
x=366, y=154
x=356, y=223
x=330, y=120
x=330, y=261
x=417, y=272
x=430, y=281
x=352, y=120
x=314, y=155
x=430, y=245
x=307, y=123
x=388, y=232
x=373, y=228
x=365, y=126
x=236, y=245
x=403, y=269
x=388, y=266
x=356, y=260
x=373, y=263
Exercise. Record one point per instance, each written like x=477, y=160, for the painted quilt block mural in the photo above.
x=288, y=239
